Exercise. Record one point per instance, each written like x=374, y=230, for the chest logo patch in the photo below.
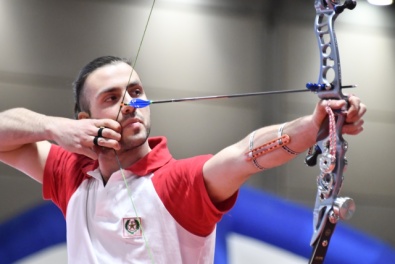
x=131, y=227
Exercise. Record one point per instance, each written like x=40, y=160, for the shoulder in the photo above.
x=63, y=174
x=180, y=185
x=182, y=171
x=60, y=159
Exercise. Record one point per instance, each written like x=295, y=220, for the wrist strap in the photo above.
x=279, y=134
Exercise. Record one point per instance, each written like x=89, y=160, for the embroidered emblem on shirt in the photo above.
x=131, y=227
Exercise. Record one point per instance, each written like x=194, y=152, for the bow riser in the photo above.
x=330, y=70
x=329, y=208
x=329, y=183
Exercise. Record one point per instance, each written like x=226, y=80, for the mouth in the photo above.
x=131, y=122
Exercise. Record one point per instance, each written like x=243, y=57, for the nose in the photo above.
x=126, y=108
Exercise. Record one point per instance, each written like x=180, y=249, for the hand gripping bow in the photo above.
x=329, y=208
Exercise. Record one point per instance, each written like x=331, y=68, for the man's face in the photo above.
x=104, y=90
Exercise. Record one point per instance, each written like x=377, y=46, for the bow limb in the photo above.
x=329, y=208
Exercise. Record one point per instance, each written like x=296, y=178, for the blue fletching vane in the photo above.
x=139, y=103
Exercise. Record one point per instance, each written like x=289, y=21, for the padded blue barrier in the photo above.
x=289, y=226
x=40, y=227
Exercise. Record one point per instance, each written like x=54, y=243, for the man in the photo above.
x=125, y=199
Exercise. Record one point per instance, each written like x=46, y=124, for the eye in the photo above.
x=110, y=98
x=136, y=92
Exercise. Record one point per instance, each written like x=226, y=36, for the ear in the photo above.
x=83, y=115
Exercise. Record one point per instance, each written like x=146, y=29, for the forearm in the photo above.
x=302, y=134
x=21, y=126
x=232, y=166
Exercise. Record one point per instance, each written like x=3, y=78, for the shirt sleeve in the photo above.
x=181, y=187
x=64, y=171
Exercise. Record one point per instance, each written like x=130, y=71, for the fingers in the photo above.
x=356, y=110
x=105, y=133
x=334, y=104
x=107, y=123
x=82, y=136
x=106, y=142
x=353, y=128
x=320, y=112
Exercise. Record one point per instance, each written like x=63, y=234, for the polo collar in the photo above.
x=155, y=159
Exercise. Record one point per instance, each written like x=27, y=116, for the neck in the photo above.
x=110, y=161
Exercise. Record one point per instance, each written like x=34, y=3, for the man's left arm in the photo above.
x=226, y=171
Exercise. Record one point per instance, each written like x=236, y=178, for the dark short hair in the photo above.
x=81, y=104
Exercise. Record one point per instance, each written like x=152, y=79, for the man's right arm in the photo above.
x=25, y=134
x=22, y=144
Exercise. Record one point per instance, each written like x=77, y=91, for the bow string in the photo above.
x=134, y=207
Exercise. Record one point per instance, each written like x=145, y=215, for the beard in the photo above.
x=133, y=138
x=134, y=141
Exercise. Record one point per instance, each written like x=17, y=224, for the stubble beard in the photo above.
x=136, y=140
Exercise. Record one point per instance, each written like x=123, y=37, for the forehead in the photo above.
x=115, y=75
